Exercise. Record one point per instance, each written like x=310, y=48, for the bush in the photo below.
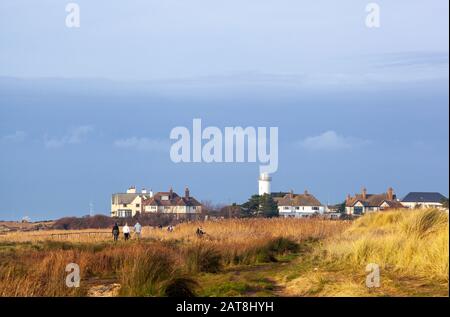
x=283, y=245
x=181, y=287
x=203, y=258
x=145, y=271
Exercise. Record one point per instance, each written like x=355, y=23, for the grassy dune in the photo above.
x=253, y=257
x=407, y=243
x=410, y=247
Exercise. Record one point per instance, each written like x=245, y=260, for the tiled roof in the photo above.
x=299, y=200
x=428, y=197
x=127, y=198
x=374, y=200
x=174, y=200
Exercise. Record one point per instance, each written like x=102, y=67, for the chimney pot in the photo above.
x=364, y=193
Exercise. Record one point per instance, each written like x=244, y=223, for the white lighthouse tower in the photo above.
x=264, y=184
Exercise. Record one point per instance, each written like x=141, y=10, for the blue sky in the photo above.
x=86, y=112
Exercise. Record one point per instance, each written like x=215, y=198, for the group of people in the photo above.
x=138, y=229
x=126, y=231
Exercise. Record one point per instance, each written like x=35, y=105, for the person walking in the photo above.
x=137, y=230
x=115, y=231
x=126, y=231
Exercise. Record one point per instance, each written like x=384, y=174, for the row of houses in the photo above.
x=305, y=205
x=290, y=205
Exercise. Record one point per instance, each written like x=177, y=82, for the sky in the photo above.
x=86, y=112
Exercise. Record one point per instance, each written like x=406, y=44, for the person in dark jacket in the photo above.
x=115, y=231
x=200, y=232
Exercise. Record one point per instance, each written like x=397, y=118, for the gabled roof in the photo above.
x=374, y=200
x=299, y=200
x=428, y=197
x=127, y=198
x=174, y=200
x=394, y=204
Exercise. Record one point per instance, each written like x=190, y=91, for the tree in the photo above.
x=251, y=207
x=267, y=206
x=264, y=206
x=341, y=208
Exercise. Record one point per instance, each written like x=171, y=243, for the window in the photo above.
x=315, y=208
x=124, y=213
x=125, y=205
x=358, y=210
x=137, y=205
x=297, y=208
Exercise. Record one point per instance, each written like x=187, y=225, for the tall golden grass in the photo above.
x=161, y=263
x=232, y=230
x=414, y=243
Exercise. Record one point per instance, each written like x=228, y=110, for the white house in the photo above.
x=129, y=203
x=299, y=205
x=423, y=200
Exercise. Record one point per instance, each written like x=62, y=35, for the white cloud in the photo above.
x=143, y=144
x=16, y=137
x=331, y=141
x=74, y=136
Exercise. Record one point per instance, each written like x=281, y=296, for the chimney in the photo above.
x=186, y=192
x=131, y=190
x=291, y=194
x=306, y=192
x=170, y=192
x=390, y=194
x=143, y=191
x=151, y=193
x=364, y=193
x=347, y=200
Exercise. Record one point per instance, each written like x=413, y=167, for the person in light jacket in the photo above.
x=126, y=231
x=137, y=230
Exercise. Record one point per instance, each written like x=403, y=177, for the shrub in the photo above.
x=203, y=258
x=181, y=287
x=145, y=271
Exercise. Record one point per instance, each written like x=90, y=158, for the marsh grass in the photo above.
x=160, y=264
x=309, y=257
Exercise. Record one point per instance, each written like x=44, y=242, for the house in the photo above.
x=423, y=200
x=171, y=203
x=128, y=204
x=362, y=203
x=299, y=205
